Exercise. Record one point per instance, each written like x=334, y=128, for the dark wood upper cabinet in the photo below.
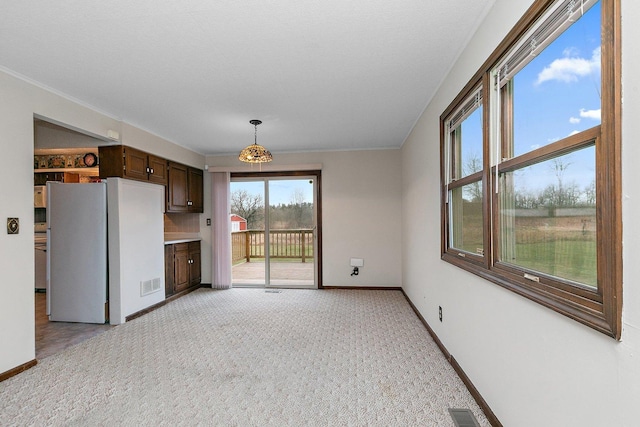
x=184, y=189
x=184, y=183
x=177, y=189
x=135, y=164
x=157, y=169
x=195, y=190
x=126, y=162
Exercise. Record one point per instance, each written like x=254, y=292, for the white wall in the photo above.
x=534, y=367
x=52, y=136
x=360, y=212
x=136, y=245
x=18, y=104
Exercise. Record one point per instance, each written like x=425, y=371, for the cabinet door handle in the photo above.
x=148, y=170
x=151, y=170
x=189, y=203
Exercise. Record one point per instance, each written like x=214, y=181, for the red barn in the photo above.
x=238, y=223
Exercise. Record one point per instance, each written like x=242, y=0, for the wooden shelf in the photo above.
x=82, y=171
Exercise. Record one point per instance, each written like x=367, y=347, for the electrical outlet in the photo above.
x=208, y=222
x=440, y=313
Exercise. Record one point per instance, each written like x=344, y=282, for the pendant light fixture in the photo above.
x=255, y=153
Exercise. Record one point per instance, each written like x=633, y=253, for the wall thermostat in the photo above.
x=13, y=225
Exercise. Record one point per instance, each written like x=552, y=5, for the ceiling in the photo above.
x=321, y=74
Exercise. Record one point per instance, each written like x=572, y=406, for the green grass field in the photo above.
x=568, y=259
x=562, y=247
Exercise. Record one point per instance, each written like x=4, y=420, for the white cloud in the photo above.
x=590, y=114
x=535, y=146
x=570, y=68
x=574, y=120
x=574, y=132
x=571, y=51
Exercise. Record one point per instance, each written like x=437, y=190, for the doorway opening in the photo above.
x=59, y=153
x=276, y=229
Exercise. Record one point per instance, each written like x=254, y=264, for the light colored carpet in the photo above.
x=245, y=357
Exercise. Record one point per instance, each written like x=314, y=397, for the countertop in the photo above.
x=173, y=238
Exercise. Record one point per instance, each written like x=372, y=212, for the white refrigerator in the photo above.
x=77, y=281
x=105, y=250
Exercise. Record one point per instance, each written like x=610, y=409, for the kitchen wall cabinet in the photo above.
x=184, y=189
x=182, y=266
x=41, y=178
x=196, y=190
x=126, y=162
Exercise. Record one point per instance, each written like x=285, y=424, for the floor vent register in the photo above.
x=463, y=418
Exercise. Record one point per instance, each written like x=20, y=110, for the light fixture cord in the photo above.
x=255, y=137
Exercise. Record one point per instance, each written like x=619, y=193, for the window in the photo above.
x=464, y=175
x=538, y=209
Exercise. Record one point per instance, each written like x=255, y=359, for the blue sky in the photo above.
x=557, y=94
x=280, y=191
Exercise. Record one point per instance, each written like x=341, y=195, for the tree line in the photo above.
x=559, y=194
x=294, y=215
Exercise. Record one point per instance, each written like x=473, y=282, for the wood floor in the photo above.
x=53, y=337
x=287, y=274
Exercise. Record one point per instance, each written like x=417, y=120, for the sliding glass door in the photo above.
x=274, y=231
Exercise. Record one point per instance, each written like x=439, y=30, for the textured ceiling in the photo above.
x=321, y=75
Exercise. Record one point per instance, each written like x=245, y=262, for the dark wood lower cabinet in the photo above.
x=195, y=271
x=168, y=270
x=182, y=267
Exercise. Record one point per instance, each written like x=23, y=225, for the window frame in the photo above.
x=453, y=173
x=600, y=309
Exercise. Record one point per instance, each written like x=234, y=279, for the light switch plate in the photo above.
x=13, y=225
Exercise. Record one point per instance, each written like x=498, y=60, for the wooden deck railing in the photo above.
x=282, y=243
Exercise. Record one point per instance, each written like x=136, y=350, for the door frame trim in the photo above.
x=317, y=173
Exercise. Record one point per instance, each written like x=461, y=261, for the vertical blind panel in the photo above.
x=220, y=214
x=468, y=106
x=553, y=22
